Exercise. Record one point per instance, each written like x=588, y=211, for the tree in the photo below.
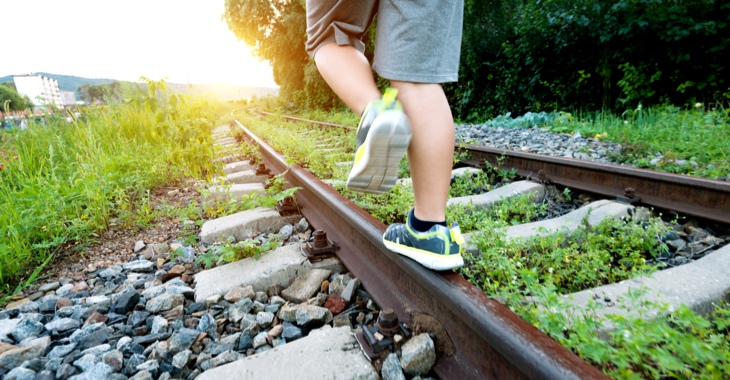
x=10, y=98
x=276, y=30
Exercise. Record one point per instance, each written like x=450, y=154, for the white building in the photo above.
x=42, y=91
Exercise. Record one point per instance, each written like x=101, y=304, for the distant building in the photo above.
x=42, y=91
x=69, y=98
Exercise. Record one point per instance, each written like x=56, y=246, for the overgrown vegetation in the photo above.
x=67, y=181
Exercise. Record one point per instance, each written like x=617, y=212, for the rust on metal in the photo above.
x=319, y=247
x=491, y=341
x=263, y=170
x=705, y=198
x=288, y=206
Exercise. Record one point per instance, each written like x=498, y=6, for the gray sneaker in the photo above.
x=383, y=137
x=438, y=248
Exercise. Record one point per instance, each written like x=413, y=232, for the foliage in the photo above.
x=276, y=31
x=542, y=55
x=650, y=342
x=10, y=100
x=614, y=250
x=101, y=93
x=94, y=171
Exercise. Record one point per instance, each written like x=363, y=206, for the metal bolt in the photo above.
x=320, y=239
x=387, y=322
x=482, y=162
x=541, y=175
x=287, y=201
x=629, y=192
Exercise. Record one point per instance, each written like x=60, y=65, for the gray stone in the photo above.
x=125, y=302
x=264, y=319
x=277, y=267
x=165, y=302
x=159, y=325
x=49, y=286
x=291, y=332
x=338, y=284
x=142, y=375
x=53, y=364
x=16, y=356
x=350, y=289
x=239, y=309
x=20, y=373
x=259, y=340
x=43, y=342
x=337, y=354
x=288, y=312
x=391, y=368
x=114, y=359
x=182, y=340
x=64, y=290
x=86, y=362
x=151, y=366
x=285, y=232
x=140, y=266
x=184, y=290
x=224, y=358
x=65, y=371
x=63, y=324
x=96, y=372
x=305, y=286
x=27, y=328
x=181, y=359
x=418, y=355
x=45, y=375
x=97, y=351
x=311, y=315
x=302, y=225
x=111, y=272
x=61, y=351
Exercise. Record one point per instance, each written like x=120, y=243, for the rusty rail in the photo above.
x=704, y=198
x=700, y=197
x=479, y=337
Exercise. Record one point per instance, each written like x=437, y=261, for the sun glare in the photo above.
x=184, y=41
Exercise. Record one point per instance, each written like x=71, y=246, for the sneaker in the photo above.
x=438, y=248
x=383, y=137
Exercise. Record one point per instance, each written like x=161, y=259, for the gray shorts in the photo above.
x=416, y=41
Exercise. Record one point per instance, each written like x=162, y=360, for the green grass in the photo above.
x=67, y=181
x=698, y=135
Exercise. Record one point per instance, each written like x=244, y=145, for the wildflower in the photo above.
x=550, y=270
x=627, y=334
x=698, y=105
x=553, y=310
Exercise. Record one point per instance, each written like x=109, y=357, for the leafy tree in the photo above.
x=9, y=97
x=101, y=93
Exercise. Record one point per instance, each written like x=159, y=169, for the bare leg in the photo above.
x=431, y=152
x=348, y=73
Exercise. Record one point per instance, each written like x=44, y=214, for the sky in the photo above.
x=183, y=40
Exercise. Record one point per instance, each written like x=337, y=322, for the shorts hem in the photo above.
x=417, y=78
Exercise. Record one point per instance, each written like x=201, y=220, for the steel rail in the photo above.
x=704, y=198
x=479, y=337
x=700, y=197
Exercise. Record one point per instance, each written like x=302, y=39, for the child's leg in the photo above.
x=432, y=146
x=348, y=73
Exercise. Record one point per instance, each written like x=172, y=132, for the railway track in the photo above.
x=476, y=327
x=482, y=327
x=161, y=315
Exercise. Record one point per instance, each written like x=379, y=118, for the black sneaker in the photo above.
x=383, y=137
x=438, y=248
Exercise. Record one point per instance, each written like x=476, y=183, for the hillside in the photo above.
x=224, y=91
x=67, y=82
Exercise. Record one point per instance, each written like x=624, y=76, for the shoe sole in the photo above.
x=427, y=259
x=386, y=143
